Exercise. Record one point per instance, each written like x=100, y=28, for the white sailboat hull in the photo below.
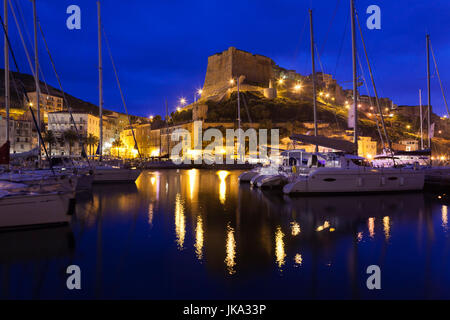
x=113, y=175
x=35, y=209
x=338, y=180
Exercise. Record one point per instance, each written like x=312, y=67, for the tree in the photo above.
x=91, y=141
x=117, y=144
x=70, y=137
x=49, y=138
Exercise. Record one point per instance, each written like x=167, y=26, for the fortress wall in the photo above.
x=232, y=63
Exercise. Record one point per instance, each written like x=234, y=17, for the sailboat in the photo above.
x=104, y=173
x=346, y=173
x=36, y=200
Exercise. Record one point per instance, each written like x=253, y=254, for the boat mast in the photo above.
x=36, y=79
x=421, y=119
x=100, y=80
x=429, y=92
x=313, y=76
x=355, y=85
x=6, y=53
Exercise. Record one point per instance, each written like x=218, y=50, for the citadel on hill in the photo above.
x=271, y=97
x=275, y=97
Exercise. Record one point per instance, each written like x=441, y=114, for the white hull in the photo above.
x=33, y=210
x=437, y=176
x=248, y=175
x=365, y=179
x=272, y=181
x=109, y=175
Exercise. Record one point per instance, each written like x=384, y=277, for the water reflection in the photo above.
x=371, y=226
x=280, y=253
x=205, y=227
x=223, y=186
x=180, y=221
x=230, y=250
x=444, y=217
x=295, y=229
x=199, y=238
x=387, y=227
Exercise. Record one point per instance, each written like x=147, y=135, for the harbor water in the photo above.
x=198, y=234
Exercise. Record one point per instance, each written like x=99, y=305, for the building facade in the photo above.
x=60, y=122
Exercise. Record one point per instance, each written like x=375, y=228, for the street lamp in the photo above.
x=182, y=101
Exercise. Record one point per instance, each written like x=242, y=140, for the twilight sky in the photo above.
x=161, y=47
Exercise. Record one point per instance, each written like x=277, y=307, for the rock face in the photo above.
x=232, y=63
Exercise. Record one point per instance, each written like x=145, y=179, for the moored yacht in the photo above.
x=109, y=174
x=23, y=206
x=347, y=173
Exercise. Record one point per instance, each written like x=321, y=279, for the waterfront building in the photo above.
x=60, y=123
x=22, y=135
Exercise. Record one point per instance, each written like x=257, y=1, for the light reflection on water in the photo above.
x=198, y=234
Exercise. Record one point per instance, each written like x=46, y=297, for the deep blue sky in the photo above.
x=161, y=47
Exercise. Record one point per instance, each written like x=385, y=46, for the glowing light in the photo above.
x=31, y=104
x=295, y=229
x=444, y=211
x=199, y=92
x=192, y=182
x=369, y=156
x=150, y=214
x=153, y=180
x=298, y=87
x=280, y=81
x=387, y=227
x=320, y=93
x=359, y=236
x=408, y=127
x=442, y=158
x=182, y=101
x=327, y=95
x=325, y=225
x=199, y=237
x=369, y=114
x=230, y=250
x=298, y=259
x=178, y=109
x=223, y=174
x=231, y=81
x=180, y=221
x=371, y=227
x=150, y=117
x=391, y=115
x=280, y=254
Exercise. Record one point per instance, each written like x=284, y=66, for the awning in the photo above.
x=332, y=143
